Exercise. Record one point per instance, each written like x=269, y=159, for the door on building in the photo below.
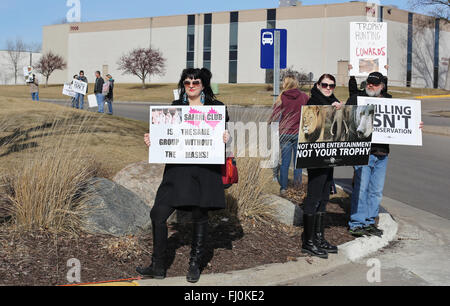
x=342, y=73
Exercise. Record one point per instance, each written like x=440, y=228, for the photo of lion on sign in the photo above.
x=326, y=124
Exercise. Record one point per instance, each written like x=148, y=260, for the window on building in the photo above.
x=234, y=22
x=271, y=24
x=436, y=53
x=207, y=41
x=409, y=51
x=190, y=42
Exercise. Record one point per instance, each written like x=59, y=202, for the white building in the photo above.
x=228, y=43
x=7, y=68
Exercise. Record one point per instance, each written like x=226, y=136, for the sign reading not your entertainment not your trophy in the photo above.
x=187, y=135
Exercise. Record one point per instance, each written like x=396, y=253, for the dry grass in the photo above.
x=47, y=156
x=230, y=94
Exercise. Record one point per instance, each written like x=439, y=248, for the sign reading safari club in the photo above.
x=396, y=121
x=187, y=135
x=331, y=138
x=368, y=48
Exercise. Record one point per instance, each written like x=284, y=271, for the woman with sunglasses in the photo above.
x=194, y=188
x=319, y=182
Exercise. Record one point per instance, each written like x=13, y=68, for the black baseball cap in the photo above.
x=375, y=78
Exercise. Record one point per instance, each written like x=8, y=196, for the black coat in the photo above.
x=187, y=186
x=377, y=148
x=98, y=89
x=318, y=98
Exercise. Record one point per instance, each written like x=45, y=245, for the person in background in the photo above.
x=110, y=96
x=287, y=110
x=34, y=88
x=79, y=98
x=98, y=91
x=74, y=99
x=319, y=182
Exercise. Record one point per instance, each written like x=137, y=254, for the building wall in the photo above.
x=318, y=38
x=7, y=69
x=56, y=39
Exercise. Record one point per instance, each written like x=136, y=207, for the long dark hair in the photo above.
x=328, y=76
x=195, y=73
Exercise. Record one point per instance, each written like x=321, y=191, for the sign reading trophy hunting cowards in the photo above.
x=331, y=138
x=79, y=87
x=396, y=121
x=187, y=135
x=368, y=48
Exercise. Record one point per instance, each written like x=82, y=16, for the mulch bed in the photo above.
x=40, y=258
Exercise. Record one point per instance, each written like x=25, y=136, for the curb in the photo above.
x=433, y=97
x=279, y=274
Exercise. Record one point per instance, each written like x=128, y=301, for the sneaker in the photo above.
x=283, y=192
x=373, y=230
x=359, y=232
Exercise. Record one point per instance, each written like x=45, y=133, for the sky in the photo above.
x=25, y=18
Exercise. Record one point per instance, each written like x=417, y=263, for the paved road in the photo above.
x=419, y=176
x=418, y=256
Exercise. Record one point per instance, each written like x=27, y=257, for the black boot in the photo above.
x=309, y=246
x=320, y=237
x=157, y=268
x=197, y=251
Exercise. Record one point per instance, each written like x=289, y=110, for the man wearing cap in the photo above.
x=369, y=180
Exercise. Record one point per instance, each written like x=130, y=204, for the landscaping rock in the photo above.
x=144, y=179
x=286, y=212
x=115, y=210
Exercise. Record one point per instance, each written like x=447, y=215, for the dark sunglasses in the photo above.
x=326, y=85
x=189, y=83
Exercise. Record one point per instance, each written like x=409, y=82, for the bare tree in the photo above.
x=436, y=8
x=14, y=49
x=48, y=63
x=143, y=63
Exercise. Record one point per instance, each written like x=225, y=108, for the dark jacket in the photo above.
x=83, y=79
x=317, y=98
x=99, y=85
x=377, y=148
x=110, y=95
x=353, y=86
x=289, y=111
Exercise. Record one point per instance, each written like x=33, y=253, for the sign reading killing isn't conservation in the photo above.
x=331, y=138
x=187, y=135
x=368, y=48
x=396, y=121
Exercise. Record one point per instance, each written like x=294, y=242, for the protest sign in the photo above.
x=79, y=87
x=331, y=138
x=68, y=91
x=368, y=48
x=396, y=121
x=28, y=74
x=92, y=99
x=187, y=135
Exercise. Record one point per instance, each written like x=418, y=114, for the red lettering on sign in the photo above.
x=371, y=51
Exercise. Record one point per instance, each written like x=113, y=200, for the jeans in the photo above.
x=110, y=108
x=368, y=191
x=100, y=103
x=288, y=146
x=79, y=101
x=35, y=96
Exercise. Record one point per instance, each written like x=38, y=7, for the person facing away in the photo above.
x=79, y=98
x=98, y=91
x=190, y=187
x=110, y=95
x=34, y=88
x=319, y=182
x=287, y=110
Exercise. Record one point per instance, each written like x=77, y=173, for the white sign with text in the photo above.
x=79, y=87
x=396, y=121
x=187, y=134
x=68, y=91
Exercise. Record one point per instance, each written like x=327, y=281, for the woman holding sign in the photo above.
x=194, y=188
x=319, y=182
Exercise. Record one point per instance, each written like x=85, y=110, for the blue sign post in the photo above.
x=268, y=48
